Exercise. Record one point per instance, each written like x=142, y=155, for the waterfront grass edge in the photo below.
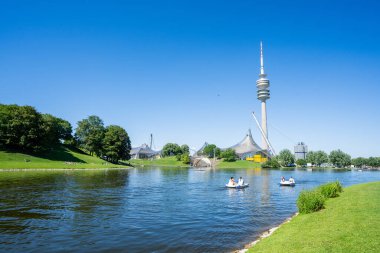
x=348, y=223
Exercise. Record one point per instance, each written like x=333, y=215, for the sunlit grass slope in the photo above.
x=349, y=223
x=61, y=157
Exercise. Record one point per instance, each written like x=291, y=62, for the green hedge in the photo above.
x=314, y=200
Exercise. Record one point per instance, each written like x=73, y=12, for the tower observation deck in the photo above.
x=263, y=94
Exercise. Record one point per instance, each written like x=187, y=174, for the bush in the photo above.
x=330, y=190
x=228, y=155
x=272, y=163
x=185, y=158
x=310, y=201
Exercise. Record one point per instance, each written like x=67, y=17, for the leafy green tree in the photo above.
x=228, y=155
x=55, y=130
x=285, y=158
x=311, y=157
x=359, y=162
x=90, y=134
x=301, y=162
x=171, y=149
x=339, y=159
x=320, y=158
x=210, y=149
x=20, y=127
x=373, y=162
x=116, y=144
x=185, y=149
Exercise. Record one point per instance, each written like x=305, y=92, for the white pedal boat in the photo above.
x=287, y=183
x=237, y=186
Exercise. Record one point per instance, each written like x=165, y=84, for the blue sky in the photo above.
x=186, y=70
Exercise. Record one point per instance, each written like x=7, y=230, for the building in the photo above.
x=300, y=151
x=263, y=94
x=144, y=152
x=248, y=149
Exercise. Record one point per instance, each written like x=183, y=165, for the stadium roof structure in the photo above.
x=247, y=145
x=143, y=150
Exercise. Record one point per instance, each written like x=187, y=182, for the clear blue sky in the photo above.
x=186, y=70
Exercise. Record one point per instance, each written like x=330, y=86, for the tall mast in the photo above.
x=263, y=94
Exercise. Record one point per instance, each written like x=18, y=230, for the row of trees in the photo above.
x=182, y=153
x=111, y=143
x=364, y=162
x=24, y=128
x=212, y=150
x=336, y=157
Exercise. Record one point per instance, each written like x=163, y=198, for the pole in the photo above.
x=262, y=133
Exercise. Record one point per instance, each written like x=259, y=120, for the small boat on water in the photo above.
x=287, y=183
x=237, y=186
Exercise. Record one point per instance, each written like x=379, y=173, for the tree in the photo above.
x=55, y=130
x=320, y=157
x=359, y=162
x=339, y=159
x=311, y=157
x=228, y=155
x=116, y=144
x=301, y=162
x=90, y=134
x=20, y=127
x=285, y=158
x=210, y=149
x=171, y=149
x=185, y=149
x=373, y=162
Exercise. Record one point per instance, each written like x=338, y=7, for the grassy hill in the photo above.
x=61, y=157
x=349, y=223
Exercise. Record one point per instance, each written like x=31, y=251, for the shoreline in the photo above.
x=264, y=235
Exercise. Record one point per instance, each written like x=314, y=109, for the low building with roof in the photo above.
x=144, y=152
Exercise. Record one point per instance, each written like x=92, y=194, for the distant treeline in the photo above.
x=23, y=128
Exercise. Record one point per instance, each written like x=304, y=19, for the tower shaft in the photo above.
x=264, y=125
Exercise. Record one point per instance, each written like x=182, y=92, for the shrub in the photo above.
x=310, y=201
x=185, y=158
x=330, y=190
x=228, y=155
x=272, y=163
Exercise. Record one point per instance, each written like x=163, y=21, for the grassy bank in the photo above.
x=239, y=164
x=62, y=157
x=165, y=161
x=349, y=223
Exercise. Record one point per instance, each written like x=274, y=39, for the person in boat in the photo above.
x=241, y=181
x=282, y=179
x=232, y=181
x=291, y=180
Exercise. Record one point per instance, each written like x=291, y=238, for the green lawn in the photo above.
x=349, y=223
x=239, y=164
x=62, y=157
x=165, y=161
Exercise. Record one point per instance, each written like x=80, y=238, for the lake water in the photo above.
x=148, y=209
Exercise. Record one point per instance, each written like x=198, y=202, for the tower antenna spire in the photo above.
x=261, y=59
